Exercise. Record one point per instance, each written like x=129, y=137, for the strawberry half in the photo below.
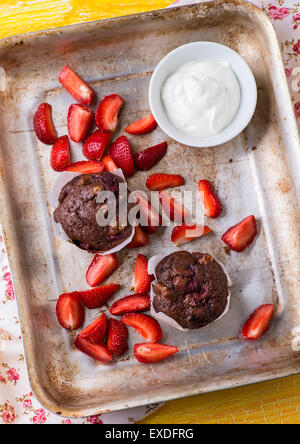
x=80, y=119
x=131, y=304
x=99, y=352
x=211, y=203
x=60, y=157
x=146, y=159
x=97, y=297
x=146, y=326
x=120, y=152
x=150, y=353
x=241, y=235
x=109, y=164
x=117, y=338
x=95, y=145
x=76, y=87
x=151, y=219
x=86, y=167
x=140, y=238
x=96, y=331
x=142, y=126
x=185, y=233
x=43, y=124
x=101, y=268
x=161, y=181
x=141, y=279
x=172, y=209
x=258, y=323
x=69, y=311
x=107, y=112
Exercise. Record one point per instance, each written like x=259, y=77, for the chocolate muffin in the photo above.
x=192, y=289
x=78, y=209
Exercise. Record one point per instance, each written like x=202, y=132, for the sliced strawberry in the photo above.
x=150, y=353
x=150, y=218
x=172, y=209
x=141, y=279
x=146, y=159
x=212, y=205
x=241, y=235
x=131, y=304
x=80, y=119
x=43, y=124
x=60, y=157
x=120, y=152
x=146, y=326
x=95, y=145
x=101, y=268
x=160, y=181
x=76, y=87
x=97, y=297
x=107, y=112
x=258, y=323
x=140, y=238
x=109, y=164
x=117, y=338
x=86, y=167
x=186, y=233
x=142, y=126
x=96, y=331
x=95, y=351
x=69, y=311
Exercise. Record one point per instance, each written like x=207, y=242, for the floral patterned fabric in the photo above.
x=17, y=403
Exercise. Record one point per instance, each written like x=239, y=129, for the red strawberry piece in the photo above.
x=120, y=152
x=241, y=235
x=109, y=164
x=86, y=167
x=43, y=124
x=258, y=323
x=142, y=126
x=150, y=353
x=172, y=209
x=76, y=87
x=69, y=311
x=97, y=297
x=146, y=326
x=101, y=268
x=140, y=238
x=150, y=218
x=211, y=203
x=141, y=279
x=185, y=233
x=130, y=304
x=80, y=119
x=95, y=145
x=117, y=338
x=96, y=351
x=96, y=331
x=160, y=181
x=60, y=158
x=107, y=112
x=146, y=159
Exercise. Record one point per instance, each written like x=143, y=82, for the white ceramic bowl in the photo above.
x=204, y=51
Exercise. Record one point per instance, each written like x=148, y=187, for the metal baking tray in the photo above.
x=257, y=172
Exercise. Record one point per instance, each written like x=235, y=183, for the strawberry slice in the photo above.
x=211, y=203
x=96, y=144
x=117, y=338
x=80, y=119
x=120, y=152
x=60, y=157
x=97, y=297
x=76, y=87
x=43, y=124
x=101, y=268
x=241, y=235
x=142, y=126
x=146, y=159
x=141, y=279
x=109, y=164
x=259, y=322
x=95, y=351
x=86, y=167
x=146, y=326
x=130, y=304
x=107, y=112
x=96, y=331
x=172, y=209
x=186, y=233
x=140, y=238
x=69, y=311
x=150, y=218
x=161, y=181
x=150, y=353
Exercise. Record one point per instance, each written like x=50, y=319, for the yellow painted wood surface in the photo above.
x=270, y=402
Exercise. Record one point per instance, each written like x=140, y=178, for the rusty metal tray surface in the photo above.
x=258, y=172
